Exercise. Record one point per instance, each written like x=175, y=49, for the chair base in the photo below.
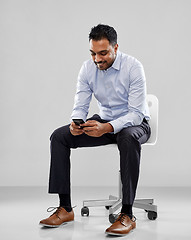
x=114, y=203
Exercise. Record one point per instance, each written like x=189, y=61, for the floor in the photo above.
x=22, y=208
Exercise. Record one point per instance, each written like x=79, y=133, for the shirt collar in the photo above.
x=117, y=62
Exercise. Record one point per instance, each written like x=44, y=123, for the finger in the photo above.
x=75, y=133
x=88, y=129
x=74, y=126
x=91, y=121
x=91, y=134
x=88, y=124
x=78, y=131
x=75, y=130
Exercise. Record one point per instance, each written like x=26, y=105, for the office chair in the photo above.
x=114, y=203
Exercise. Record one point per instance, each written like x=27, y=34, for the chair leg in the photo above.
x=115, y=206
x=112, y=201
x=100, y=202
x=146, y=204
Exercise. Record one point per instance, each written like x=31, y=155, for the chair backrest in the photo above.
x=153, y=105
x=152, y=101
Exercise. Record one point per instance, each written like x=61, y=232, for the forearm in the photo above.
x=82, y=99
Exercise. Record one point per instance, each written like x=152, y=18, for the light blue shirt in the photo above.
x=120, y=92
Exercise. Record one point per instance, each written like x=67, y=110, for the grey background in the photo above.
x=43, y=44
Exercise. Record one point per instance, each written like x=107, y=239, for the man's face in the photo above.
x=103, y=53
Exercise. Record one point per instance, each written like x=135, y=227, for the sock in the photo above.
x=65, y=202
x=127, y=208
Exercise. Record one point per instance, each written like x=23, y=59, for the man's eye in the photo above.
x=103, y=54
x=93, y=54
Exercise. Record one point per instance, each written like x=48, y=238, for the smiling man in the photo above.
x=117, y=81
x=103, y=53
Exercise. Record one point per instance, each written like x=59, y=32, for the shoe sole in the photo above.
x=119, y=234
x=54, y=226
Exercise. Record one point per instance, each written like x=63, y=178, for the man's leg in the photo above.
x=61, y=143
x=129, y=142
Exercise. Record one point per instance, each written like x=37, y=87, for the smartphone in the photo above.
x=78, y=121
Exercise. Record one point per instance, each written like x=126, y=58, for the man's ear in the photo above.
x=116, y=47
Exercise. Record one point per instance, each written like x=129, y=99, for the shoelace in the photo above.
x=121, y=217
x=58, y=209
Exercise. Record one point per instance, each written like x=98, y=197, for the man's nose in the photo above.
x=98, y=58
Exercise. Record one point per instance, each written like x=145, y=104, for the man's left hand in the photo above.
x=94, y=128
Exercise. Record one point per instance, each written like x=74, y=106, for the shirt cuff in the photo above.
x=117, y=127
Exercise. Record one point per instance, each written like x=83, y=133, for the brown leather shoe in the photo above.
x=122, y=225
x=59, y=217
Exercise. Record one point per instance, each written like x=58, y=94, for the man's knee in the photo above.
x=60, y=133
x=128, y=136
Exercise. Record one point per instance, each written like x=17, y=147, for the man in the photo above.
x=118, y=83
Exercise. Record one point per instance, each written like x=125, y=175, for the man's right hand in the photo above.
x=75, y=129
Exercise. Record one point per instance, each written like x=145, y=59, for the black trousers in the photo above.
x=128, y=140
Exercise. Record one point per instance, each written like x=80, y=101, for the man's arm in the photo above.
x=83, y=96
x=136, y=100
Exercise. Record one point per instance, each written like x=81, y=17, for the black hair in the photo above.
x=103, y=31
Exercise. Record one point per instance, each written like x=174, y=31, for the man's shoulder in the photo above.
x=129, y=60
x=88, y=67
x=89, y=63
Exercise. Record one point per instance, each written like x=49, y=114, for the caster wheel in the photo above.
x=107, y=207
x=152, y=215
x=85, y=211
x=112, y=218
